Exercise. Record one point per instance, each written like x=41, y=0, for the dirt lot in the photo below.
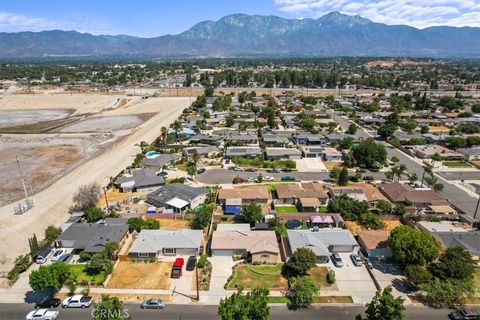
x=124, y=297
x=134, y=275
x=355, y=227
x=10, y=118
x=106, y=123
x=170, y=224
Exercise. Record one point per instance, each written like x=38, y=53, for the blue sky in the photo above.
x=157, y=17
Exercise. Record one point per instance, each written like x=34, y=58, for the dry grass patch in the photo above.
x=319, y=275
x=139, y=275
x=127, y=297
x=171, y=224
x=332, y=164
x=115, y=195
x=355, y=227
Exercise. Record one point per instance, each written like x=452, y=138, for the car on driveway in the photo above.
x=337, y=260
x=48, y=302
x=368, y=178
x=152, y=304
x=251, y=170
x=268, y=178
x=464, y=314
x=177, y=268
x=357, y=261
x=57, y=254
x=368, y=263
x=191, y=263
x=201, y=170
x=64, y=257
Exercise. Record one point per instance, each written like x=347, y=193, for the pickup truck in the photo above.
x=42, y=314
x=77, y=301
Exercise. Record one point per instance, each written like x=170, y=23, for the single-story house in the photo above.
x=177, y=197
x=469, y=241
x=360, y=192
x=470, y=153
x=292, y=193
x=244, y=152
x=213, y=139
x=233, y=227
x=243, y=138
x=421, y=198
x=312, y=151
x=140, y=179
x=257, y=194
x=283, y=153
x=308, y=138
x=331, y=154
x=374, y=243
x=275, y=140
x=323, y=242
x=259, y=246
x=92, y=237
x=159, y=243
x=201, y=150
x=427, y=152
x=157, y=163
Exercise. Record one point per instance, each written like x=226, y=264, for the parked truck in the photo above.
x=77, y=301
x=42, y=314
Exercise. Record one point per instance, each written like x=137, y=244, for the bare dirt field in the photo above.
x=11, y=118
x=171, y=224
x=135, y=275
x=355, y=227
x=106, y=123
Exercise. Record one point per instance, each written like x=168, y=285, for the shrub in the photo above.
x=202, y=261
x=85, y=291
x=331, y=276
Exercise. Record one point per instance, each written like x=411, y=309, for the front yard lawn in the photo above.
x=250, y=276
x=81, y=276
x=319, y=275
x=286, y=209
x=456, y=164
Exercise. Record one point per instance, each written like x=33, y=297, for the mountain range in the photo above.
x=236, y=35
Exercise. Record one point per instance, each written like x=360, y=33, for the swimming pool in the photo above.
x=152, y=154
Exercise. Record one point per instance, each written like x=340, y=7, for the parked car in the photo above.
x=360, y=170
x=251, y=170
x=162, y=174
x=288, y=178
x=152, y=304
x=43, y=255
x=48, y=302
x=273, y=170
x=357, y=261
x=287, y=170
x=201, y=170
x=337, y=260
x=251, y=179
x=227, y=161
x=464, y=314
x=77, y=301
x=191, y=263
x=64, y=257
x=368, y=178
x=177, y=268
x=42, y=314
x=268, y=178
x=238, y=169
x=368, y=263
x=57, y=254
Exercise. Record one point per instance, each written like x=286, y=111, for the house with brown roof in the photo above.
x=374, y=243
x=359, y=191
x=427, y=152
x=421, y=198
x=257, y=194
x=257, y=246
x=307, y=196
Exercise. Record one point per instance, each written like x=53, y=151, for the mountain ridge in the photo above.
x=333, y=34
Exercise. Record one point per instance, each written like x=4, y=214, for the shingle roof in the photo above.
x=143, y=178
x=161, y=160
x=320, y=241
x=248, y=193
x=176, y=190
x=374, y=239
x=252, y=241
x=303, y=190
x=396, y=192
x=152, y=241
x=470, y=241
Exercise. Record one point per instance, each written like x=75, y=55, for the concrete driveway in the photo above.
x=390, y=274
x=310, y=165
x=353, y=281
x=221, y=271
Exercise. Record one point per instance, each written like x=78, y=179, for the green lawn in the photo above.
x=78, y=271
x=286, y=209
x=281, y=299
x=250, y=276
x=323, y=209
x=456, y=164
x=260, y=163
x=319, y=275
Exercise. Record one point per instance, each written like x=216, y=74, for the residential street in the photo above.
x=192, y=312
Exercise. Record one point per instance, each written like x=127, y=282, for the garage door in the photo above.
x=222, y=253
x=186, y=252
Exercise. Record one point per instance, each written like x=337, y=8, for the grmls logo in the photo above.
x=110, y=314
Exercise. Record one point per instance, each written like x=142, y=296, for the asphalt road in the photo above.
x=467, y=175
x=191, y=312
x=455, y=195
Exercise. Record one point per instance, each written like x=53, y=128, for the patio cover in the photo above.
x=177, y=203
x=321, y=219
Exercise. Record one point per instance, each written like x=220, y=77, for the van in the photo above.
x=43, y=254
x=177, y=268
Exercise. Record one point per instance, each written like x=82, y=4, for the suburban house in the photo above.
x=233, y=198
x=157, y=163
x=207, y=139
x=248, y=139
x=308, y=138
x=470, y=153
x=427, y=152
x=331, y=154
x=140, y=179
x=283, y=153
x=92, y=237
x=257, y=246
x=205, y=151
x=312, y=151
x=323, y=242
x=160, y=243
x=308, y=196
x=177, y=197
x=421, y=198
x=374, y=243
x=359, y=191
x=244, y=152
x=275, y=140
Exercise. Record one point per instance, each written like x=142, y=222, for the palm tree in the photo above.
x=436, y=157
x=390, y=174
x=401, y=169
x=427, y=169
x=413, y=177
x=177, y=127
x=110, y=248
x=163, y=135
x=195, y=158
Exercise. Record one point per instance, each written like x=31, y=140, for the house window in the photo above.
x=143, y=255
x=238, y=252
x=169, y=251
x=265, y=256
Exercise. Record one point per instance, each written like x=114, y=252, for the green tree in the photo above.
x=346, y=143
x=239, y=306
x=202, y=217
x=454, y=263
x=417, y=275
x=424, y=130
x=308, y=123
x=302, y=292
x=110, y=248
x=93, y=214
x=99, y=263
x=440, y=293
x=109, y=308
x=52, y=233
x=343, y=177
x=209, y=91
x=369, y=153
x=352, y=129
x=302, y=260
x=334, y=173
x=386, y=130
x=412, y=246
x=252, y=213
x=150, y=224
x=135, y=224
x=384, y=307
x=191, y=170
x=49, y=277
x=384, y=206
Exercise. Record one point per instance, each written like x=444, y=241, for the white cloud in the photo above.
x=418, y=13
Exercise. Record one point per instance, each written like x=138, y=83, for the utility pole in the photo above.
x=198, y=290
x=476, y=209
x=105, y=194
x=23, y=181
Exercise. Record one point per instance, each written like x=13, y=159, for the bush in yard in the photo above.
x=202, y=261
x=251, y=213
x=203, y=217
x=449, y=293
x=93, y=214
x=300, y=262
x=331, y=276
x=417, y=275
x=99, y=263
x=51, y=276
x=52, y=233
x=85, y=256
x=384, y=306
x=302, y=292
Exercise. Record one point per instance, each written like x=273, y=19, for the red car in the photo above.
x=177, y=268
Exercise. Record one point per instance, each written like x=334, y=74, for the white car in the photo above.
x=42, y=314
x=268, y=178
x=251, y=179
x=238, y=169
x=57, y=254
x=77, y=301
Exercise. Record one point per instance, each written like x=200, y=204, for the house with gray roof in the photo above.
x=323, y=242
x=157, y=163
x=213, y=139
x=177, y=197
x=275, y=140
x=470, y=241
x=140, y=179
x=244, y=152
x=161, y=243
x=92, y=237
x=200, y=150
x=470, y=153
x=243, y=138
x=283, y=153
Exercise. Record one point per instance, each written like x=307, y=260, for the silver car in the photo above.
x=152, y=304
x=337, y=260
